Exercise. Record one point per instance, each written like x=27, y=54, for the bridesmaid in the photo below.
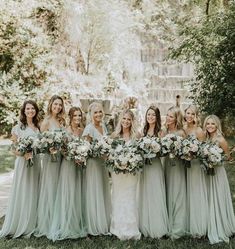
x=96, y=185
x=221, y=215
x=175, y=179
x=152, y=197
x=68, y=222
x=21, y=213
x=124, y=222
x=197, y=199
x=50, y=170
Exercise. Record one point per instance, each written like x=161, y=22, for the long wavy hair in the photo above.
x=91, y=111
x=23, y=118
x=197, y=120
x=157, y=126
x=178, y=117
x=217, y=123
x=72, y=110
x=133, y=129
x=61, y=115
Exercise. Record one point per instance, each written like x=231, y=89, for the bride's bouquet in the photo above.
x=211, y=156
x=78, y=150
x=100, y=147
x=125, y=158
x=190, y=149
x=52, y=142
x=150, y=148
x=25, y=145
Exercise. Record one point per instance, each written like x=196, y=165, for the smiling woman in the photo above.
x=21, y=212
x=97, y=189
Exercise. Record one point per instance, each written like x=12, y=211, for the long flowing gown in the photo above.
x=152, y=201
x=197, y=200
x=68, y=220
x=176, y=196
x=21, y=212
x=47, y=194
x=125, y=221
x=221, y=215
x=96, y=190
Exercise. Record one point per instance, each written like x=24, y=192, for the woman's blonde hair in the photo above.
x=178, y=117
x=133, y=130
x=61, y=115
x=90, y=113
x=197, y=120
x=217, y=123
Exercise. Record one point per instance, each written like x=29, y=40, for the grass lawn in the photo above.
x=110, y=241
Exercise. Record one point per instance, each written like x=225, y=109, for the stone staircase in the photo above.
x=168, y=78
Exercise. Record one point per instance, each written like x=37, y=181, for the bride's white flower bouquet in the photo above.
x=78, y=150
x=150, y=148
x=125, y=158
x=210, y=156
x=25, y=145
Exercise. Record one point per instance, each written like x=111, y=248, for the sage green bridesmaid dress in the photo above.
x=197, y=200
x=96, y=190
x=221, y=223
x=21, y=214
x=176, y=196
x=47, y=194
x=153, y=217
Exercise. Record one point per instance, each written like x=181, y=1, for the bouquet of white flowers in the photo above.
x=190, y=149
x=171, y=145
x=25, y=145
x=52, y=142
x=150, y=148
x=124, y=158
x=100, y=147
x=78, y=150
x=210, y=155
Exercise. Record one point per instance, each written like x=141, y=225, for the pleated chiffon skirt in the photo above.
x=153, y=215
x=221, y=214
x=21, y=214
x=97, y=197
x=47, y=194
x=197, y=200
x=68, y=218
x=175, y=176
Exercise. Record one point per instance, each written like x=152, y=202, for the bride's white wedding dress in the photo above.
x=124, y=220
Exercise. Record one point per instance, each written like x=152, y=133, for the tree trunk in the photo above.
x=207, y=7
x=81, y=63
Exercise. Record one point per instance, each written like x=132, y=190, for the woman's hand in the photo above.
x=53, y=151
x=28, y=155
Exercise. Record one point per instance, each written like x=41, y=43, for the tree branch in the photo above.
x=207, y=7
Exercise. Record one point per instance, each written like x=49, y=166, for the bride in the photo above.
x=124, y=219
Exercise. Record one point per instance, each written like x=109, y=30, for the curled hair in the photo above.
x=61, y=114
x=91, y=109
x=23, y=118
x=197, y=120
x=178, y=117
x=217, y=123
x=133, y=129
x=72, y=110
x=157, y=126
